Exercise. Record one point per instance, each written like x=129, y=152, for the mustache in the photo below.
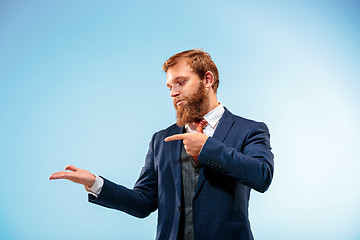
x=179, y=99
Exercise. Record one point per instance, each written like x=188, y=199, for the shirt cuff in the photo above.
x=95, y=189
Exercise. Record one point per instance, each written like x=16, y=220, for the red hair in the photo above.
x=199, y=61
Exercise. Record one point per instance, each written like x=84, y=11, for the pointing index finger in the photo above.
x=175, y=137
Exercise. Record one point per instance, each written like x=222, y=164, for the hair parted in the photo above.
x=199, y=60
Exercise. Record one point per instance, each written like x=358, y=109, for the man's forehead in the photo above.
x=179, y=70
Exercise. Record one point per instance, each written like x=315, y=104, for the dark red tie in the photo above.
x=199, y=128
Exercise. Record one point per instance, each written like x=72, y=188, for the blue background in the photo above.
x=81, y=83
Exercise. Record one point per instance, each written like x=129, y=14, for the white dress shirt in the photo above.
x=212, y=117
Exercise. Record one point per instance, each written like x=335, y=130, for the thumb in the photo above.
x=71, y=168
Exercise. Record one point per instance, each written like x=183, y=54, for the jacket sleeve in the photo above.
x=139, y=201
x=250, y=162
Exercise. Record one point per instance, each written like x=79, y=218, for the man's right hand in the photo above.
x=76, y=175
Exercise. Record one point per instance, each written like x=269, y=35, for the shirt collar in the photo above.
x=214, y=116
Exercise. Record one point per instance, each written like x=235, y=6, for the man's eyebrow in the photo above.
x=179, y=78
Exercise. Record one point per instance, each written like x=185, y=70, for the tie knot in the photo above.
x=200, y=125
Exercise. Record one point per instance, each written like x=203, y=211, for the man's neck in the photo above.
x=213, y=104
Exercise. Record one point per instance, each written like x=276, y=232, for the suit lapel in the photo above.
x=221, y=131
x=224, y=126
x=175, y=159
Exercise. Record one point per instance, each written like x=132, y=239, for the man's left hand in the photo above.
x=193, y=142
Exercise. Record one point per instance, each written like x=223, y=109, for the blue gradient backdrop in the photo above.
x=76, y=76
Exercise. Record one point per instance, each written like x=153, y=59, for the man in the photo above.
x=198, y=173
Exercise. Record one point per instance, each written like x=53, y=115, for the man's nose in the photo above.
x=174, y=92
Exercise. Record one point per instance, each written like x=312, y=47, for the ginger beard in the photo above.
x=194, y=108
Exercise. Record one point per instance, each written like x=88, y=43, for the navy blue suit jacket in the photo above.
x=237, y=158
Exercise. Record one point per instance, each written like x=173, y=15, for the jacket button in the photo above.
x=179, y=207
x=220, y=166
x=208, y=162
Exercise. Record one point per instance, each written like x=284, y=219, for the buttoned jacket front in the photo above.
x=236, y=159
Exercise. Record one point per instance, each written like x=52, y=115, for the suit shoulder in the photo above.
x=172, y=129
x=243, y=120
x=249, y=123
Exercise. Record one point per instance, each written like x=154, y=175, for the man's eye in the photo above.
x=181, y=82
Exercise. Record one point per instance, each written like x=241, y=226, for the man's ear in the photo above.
x=208, y=79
